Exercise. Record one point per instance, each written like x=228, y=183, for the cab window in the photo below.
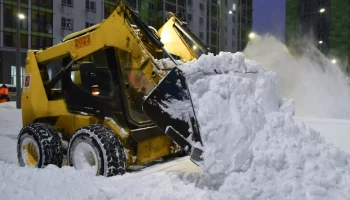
x=103, y=74
x=137, y=87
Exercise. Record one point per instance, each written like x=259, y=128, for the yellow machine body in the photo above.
x=117, y=33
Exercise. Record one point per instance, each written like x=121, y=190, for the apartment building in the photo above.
x=214, y=22
x=223, y=25
x=244, y=22
x=323, y=22
x=45, y=23
x=36, y=32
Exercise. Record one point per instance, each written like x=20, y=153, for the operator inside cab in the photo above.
x=4, y=94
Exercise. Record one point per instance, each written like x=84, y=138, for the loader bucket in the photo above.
x=170, y=107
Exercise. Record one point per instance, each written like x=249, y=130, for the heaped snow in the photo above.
x=254, y=149
x=227, y=110
x=317, y=85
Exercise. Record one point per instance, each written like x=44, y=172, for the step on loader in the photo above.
x=98, y=100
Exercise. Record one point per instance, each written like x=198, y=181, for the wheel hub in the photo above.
x=85, y=158
x=30, y=152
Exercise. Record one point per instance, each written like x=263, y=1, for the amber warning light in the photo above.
x=95, y=90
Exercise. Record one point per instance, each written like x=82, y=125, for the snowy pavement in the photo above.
x=10, y=125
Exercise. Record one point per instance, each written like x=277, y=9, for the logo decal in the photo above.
x=27, y=80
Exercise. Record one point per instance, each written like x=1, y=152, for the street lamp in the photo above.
x=334, y=61
x=18, y=57
x=230, y=12
x=320, y=42
x=21, y=16
x=322, y=10
x=251, y=35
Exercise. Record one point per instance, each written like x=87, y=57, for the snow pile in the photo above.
x=253, y=148
x=290, y=162
x=230, y=107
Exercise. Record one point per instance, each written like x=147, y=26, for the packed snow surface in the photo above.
x=253, y=148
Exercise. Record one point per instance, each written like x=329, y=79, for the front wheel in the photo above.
x=97, y=149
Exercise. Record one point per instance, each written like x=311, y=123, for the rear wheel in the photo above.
x=97, y=149
x=39, y=145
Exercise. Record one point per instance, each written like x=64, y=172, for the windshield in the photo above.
x=197, y=46
x=137, y=86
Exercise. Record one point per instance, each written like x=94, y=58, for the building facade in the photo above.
x=214, y=22
x=223, y=25
x=45, y=23
x=245, y=22
x=326, y=23
x=35, y=29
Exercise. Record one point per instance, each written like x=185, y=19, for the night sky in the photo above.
x=269, y=17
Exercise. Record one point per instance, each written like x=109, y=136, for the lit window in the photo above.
x=233, y=6
x=13, y=75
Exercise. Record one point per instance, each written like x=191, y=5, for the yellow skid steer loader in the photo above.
x=84, y=98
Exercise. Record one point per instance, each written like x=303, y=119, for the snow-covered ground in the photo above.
x=255, y=148
x=177, y=179
x=10, y=124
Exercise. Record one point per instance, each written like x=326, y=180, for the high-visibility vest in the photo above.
x=4, y=91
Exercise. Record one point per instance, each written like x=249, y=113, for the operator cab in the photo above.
x=105, y=84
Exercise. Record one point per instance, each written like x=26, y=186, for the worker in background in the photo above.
x=4, y=94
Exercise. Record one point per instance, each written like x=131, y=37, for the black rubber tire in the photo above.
x=110, y=150
x=48, y=142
